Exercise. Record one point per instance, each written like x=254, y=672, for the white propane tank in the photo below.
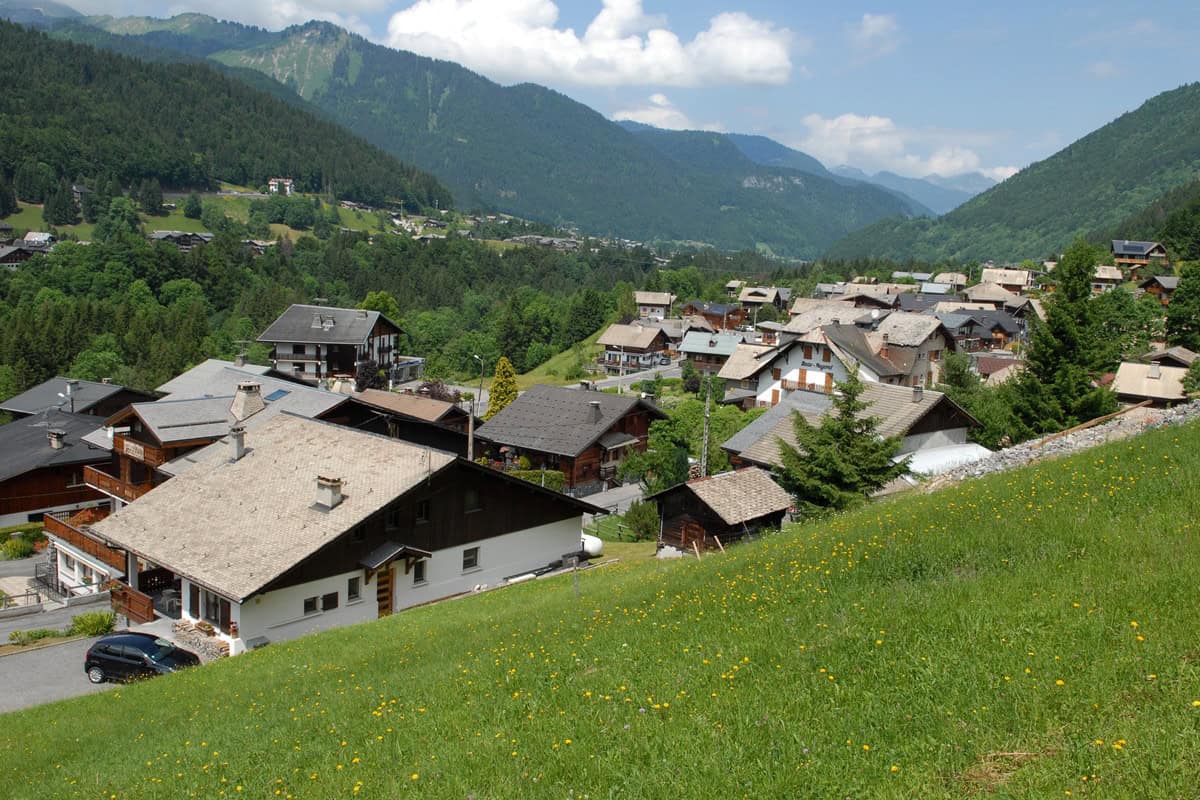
x=592, y=545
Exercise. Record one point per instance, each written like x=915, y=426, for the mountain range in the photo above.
x=525, y=149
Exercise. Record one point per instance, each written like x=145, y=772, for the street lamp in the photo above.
x=471, y=418
x=480, y=394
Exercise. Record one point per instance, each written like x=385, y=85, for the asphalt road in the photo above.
x=45, y=675
x=20, y=567
x=624, y=381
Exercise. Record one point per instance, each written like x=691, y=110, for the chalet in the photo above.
x=283, y=186
x=584, y=434
x=755, y=297
x=358, y=527
x=1172, y=357
x=932, y=427
x=991, y=293
x=38, y=239
x=92, y=398
x=956, y=279
x=42, y=459
x=980, y=330
x=711, y=512
x=316, y=343
x=1161, y=287
x=11, y=255
x=721, y=316
x=1016, y=281
x=676, y=328
x=629, y=348
x=1106, y=278
x=1135, y=383
x=761, y=375
x=1134, y=257
x=653, y=305
x=733, y=288
x=183, y=240
x=406, y=416
x=899, y=348
x=708, y=352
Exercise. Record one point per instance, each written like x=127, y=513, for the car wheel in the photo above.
x=95, y=675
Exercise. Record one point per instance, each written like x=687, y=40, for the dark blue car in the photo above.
x=130, y=655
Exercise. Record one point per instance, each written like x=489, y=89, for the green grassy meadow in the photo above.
x=1031, y=635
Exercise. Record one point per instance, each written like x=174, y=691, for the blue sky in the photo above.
x=913, y=87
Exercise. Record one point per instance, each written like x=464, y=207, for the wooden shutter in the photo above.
x=223, y=615
x=194, y=601
x=807, y=354
x=776, y=374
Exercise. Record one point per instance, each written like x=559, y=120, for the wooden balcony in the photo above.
x=145, y=453
x=70, y=530
x=131, y=603
x=101, y=481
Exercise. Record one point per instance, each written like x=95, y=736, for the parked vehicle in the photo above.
x=130, y=655
x=664, y=361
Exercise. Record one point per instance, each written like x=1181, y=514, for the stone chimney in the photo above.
x=1155, y=371
x=883, y=348
x=248, y=401
x=57, y=437
x=329, y=492
x=237, y=442
x=918, y=393
x=240, y=359
x=594, y=414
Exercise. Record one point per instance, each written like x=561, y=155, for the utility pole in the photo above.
x=704, y=445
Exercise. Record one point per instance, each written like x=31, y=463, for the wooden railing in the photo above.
x=101, y=480
x=146, y=453
x=58, y=526
x=129, y=602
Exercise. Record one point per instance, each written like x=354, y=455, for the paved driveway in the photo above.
x=45, y=675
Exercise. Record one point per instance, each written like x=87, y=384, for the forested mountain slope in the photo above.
x=86, y=112
x=1100, y=180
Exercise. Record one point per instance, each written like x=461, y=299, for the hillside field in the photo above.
x=1028, y=635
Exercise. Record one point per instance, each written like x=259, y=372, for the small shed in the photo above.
x=724, y=507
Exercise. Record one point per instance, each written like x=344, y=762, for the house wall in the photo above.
x=77, y=569
x=47, y=489
x=279, y=615
x=820, y=363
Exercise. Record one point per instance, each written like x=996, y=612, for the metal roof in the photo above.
x=199, y=380
x=25, y=443
x=721, y=344
x=85, y=394
x=1125, y=247
x=554, y=419
x=410, y=405
x=324, y=325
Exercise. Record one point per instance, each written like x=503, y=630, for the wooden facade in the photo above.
x=47, y=487
x=687, y=521
x=595, y=466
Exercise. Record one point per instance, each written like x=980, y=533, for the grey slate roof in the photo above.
x=721, y=344
x=198, y=381
x=25, y=446
x=554, y=419
x=323, y=325
x=1177, y=353
x=1168, y=282
x=1125, y=247
x=737, y=497
x=45, y=395
x=184, y=420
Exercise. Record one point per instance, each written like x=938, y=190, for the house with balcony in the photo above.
x=1134, y=257
x=653, y=305
x=584, y=434
x=42, y=460
x=1106, y=278
x=317, y=344
x=720, y=316
x=898, y=348
x=92, y=398
x=1160, y=287
x=299, y=526
x=283, y=186
x=632, y=348
x=753, y=298
x=708, y=352
x=757, y=375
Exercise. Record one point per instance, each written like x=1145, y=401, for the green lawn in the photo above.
x=1028, y=635
x=554, y=368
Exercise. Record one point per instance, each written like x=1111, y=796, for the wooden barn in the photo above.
x=710, y=512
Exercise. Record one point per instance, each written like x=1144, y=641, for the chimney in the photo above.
x=247, y=401
x=883, y=349
x=240, y=359
x=316, y=323
x=329, y=492
x=594, y=416
x=57, y=437
x=362, y=314
x=918, y=393
x=1155, y=371
x=237, y=442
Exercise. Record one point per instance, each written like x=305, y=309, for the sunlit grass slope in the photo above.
x=1029, y=635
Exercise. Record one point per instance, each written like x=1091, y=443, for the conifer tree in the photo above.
x=504, y=388
x=192, y=209
x=150, y=197
x=8, y=200
x=1183, y=314
x=841, y=461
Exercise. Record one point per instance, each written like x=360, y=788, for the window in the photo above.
x=193, y=601
x=471, y=500
x=470, y=558
x=808, y=352
x=775, y=373
x=423, y=511
x=275, y=395
x=358, y=533
x=329, y=601
x=310, y=605
x=297, y=349
x=353, y=589
x=393, y=518
x=419, y=572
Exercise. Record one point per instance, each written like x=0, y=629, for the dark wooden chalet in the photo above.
x=721, y=316
x=315, y=343
x=711, y=512
x=42, y=460
x=1133, y=257
x=584, y=434
x=96, y=399
x=1161, y=287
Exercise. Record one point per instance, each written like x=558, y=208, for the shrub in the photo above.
x=92, y=623
x=524, y=463
x=17, y=548
x=554, y=479
x=31, y=636
x=642, y=519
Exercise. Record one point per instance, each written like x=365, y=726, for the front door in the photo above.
x=383, y=591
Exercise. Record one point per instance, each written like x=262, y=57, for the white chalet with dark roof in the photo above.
x=316, y=343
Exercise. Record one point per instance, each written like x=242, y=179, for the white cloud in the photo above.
x=874, y=143
x=520, y=40
x=1102, y=69
x=660, y=112
x=875, y=35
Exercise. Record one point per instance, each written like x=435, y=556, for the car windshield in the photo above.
x=162, y=649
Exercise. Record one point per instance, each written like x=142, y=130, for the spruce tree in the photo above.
x=192, y=209
x=1183, y=314
x=840, y=462
x=60, y=207
x=150, y=197
x=8, y=200
x=504, y=388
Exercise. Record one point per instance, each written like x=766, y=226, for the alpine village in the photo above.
x=369, y=428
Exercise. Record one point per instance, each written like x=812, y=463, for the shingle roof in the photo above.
x=652, y=298
x=738, y=497
x=1019, y=277
x=186, y=420
x=1108, y=273
x=236, y=526
x=1152, y=381
x=410, y=405
x=323, y=325
x=45, y=395
x=954, y=278
x=851, y=343
x=634, y=335
x=199, y=380
x=907, y=329
x=280, y=395
x=1168, y=282
x=989, y=292
x=802, y=304
x=1177, y=353
x=758, y=294
x=893, y=405
x=25, y=444
x=816, y=316
x=554, y=419
x=747, y=360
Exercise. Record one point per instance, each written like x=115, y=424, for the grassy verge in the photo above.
x=554, y=368
x=1027, y=635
